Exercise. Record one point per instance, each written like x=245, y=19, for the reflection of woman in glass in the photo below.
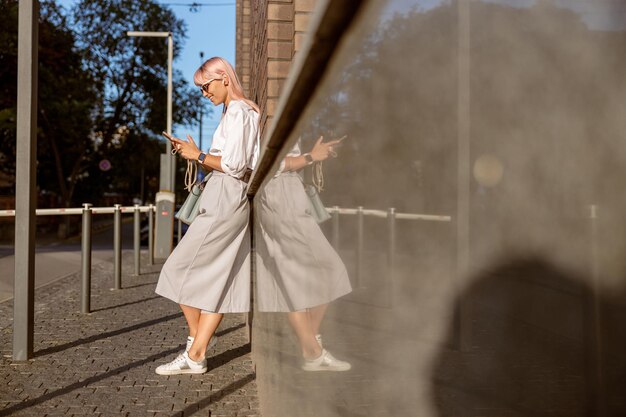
x=208, y=273
x=298, y=270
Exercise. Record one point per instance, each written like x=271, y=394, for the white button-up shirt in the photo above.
x=236, y=139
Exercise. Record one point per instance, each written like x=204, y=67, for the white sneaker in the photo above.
x=318, y=337
x=182, y=365
x=212, y=343
x=326, y=362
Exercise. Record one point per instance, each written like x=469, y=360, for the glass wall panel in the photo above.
x=472, y=260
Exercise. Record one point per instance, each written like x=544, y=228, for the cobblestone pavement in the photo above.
x=102, y=364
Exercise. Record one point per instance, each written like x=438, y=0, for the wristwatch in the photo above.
x=201, y=157
x=308, y=158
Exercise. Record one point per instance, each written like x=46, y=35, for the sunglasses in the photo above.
x=205, y=87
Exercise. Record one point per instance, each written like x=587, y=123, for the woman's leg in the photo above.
x=207, y=324
x=192, y=315
x=301, y=323
x=316, y=315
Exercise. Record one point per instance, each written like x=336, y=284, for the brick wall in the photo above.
x=269, y=33
x=242, y=54
x=303, y=10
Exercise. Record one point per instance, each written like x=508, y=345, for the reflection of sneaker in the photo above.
x=326, y=362
x=182, y=365
x=212, y=343
x=318, y=337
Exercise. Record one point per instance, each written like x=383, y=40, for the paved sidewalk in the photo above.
x=102, y=364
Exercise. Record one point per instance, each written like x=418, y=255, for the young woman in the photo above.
x=208, y=273
x=298, y=271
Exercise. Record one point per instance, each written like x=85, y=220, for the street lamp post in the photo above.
x=165, y=198
x=200, y=132
x=25, y=180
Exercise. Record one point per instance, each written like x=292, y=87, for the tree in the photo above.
x=66, y=97
x=132, y=72
x=99, y=91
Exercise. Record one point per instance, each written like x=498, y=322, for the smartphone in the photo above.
x=168, y=136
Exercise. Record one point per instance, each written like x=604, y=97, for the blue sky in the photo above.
x=210, y=29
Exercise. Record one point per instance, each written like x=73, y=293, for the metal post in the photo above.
x=117, y=246
x=391, y=252
x=359, y=245
x=463, y=314
x=594, y=338
x=201, y=108
x=164, y=228
x=85, y=260
x=25, y=191
x=180, y=232
x=137, y=239
x=151, y=235
x=336, y=227
x=170, y=58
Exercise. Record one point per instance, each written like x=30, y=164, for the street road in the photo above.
x=60, y=259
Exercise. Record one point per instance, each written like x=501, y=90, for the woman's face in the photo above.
x=215, y=90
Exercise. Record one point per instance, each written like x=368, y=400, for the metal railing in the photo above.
x=87, y=211
x=391, y=216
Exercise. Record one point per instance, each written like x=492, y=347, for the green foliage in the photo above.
x=102, y=95
x=66, y=96
x=132, y=71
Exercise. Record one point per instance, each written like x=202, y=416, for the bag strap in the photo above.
x=191, y=174
x=318, y=176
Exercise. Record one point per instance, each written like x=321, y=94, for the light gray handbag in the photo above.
x=191, y=206
x=318, y=211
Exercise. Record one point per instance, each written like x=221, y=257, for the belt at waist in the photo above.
x=245, y=178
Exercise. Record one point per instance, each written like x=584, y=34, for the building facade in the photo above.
x=269, y=33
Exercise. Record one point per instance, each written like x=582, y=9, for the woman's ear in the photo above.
x=225, y=80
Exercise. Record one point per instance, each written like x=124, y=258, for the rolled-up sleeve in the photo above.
x=295, y=151
x=240, y=131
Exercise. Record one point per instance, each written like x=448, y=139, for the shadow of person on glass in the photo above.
x=541, y=342
x=298, y=271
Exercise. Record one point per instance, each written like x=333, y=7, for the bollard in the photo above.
x=595, y=273
x=336, y=227
x=595, y=341
x=85, y=260
x=180, y=232
x=137, y=239
x=151, y=235
x=117, y=246
x=391, y=252
x=359, y=245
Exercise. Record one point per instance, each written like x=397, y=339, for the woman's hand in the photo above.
x=187, y=150
x=322, y=151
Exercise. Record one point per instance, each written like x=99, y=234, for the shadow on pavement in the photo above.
x=215, y=362
x=125, y=304
x=81, y=384
x=227, y=356
x=106, y=335
x=205, y=402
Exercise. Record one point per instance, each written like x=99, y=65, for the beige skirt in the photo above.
x=210, y=267
x=296, y=267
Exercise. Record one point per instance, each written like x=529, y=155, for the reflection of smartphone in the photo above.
x=341, y=140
